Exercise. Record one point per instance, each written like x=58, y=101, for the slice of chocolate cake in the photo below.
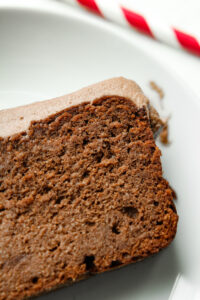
x=81, y=188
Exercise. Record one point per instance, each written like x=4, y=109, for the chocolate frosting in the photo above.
x=16, y=120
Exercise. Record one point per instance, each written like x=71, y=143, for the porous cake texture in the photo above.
x=81, y=188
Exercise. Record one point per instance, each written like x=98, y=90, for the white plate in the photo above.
x=51, y=50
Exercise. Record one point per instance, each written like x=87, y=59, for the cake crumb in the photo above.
x=157, y=89
x=21, y=118
x=174, y=194
x=164, y=135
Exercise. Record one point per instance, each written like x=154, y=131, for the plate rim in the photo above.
x=70, y=11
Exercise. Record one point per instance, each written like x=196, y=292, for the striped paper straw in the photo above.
x=116, y=12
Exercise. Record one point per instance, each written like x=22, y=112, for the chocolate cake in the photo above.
x=81, y=188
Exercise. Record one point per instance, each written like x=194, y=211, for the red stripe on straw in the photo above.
x=91, y=5
x=187, y=41
x=137, y=21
